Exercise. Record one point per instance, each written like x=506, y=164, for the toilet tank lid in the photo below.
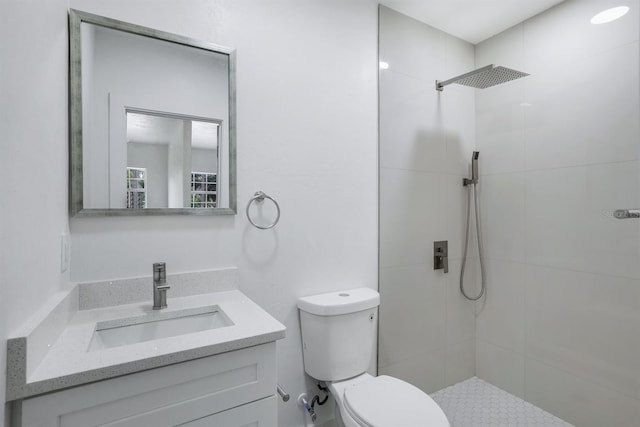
x=340, y=302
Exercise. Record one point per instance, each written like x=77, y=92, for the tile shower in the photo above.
x=559, y=152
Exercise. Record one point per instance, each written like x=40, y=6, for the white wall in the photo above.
x=204, y=160
x=33, y=159
x=559, y=151
x=153, y=157
x=427, y=329
x=307, y=132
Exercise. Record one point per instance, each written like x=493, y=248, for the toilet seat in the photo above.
x=386, y=401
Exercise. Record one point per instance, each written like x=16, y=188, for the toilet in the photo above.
x=338, y=337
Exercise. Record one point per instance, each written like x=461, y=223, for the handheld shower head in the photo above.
x=474, y=170
x=474, y=167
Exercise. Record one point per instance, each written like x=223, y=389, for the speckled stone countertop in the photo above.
x=66, y=362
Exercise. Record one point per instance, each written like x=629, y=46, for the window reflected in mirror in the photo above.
x=136, y=188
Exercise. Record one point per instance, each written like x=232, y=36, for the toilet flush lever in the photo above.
x=441, y=255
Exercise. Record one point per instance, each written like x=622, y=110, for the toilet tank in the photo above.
x=338, y=332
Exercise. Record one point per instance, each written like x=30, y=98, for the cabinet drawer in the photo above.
x=262, y=413
x=166, y=396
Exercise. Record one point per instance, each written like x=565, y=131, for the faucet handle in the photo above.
x=441, y=255
x=159, y=272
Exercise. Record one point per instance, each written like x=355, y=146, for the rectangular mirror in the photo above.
x=152, y=121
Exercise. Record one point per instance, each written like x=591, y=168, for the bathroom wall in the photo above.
x=559, y=151
x=427, y=329
x=307, y=132
x=33, y=160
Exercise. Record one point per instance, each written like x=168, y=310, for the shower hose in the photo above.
x=466, y=244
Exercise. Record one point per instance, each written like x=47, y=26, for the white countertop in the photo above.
x=68, y=363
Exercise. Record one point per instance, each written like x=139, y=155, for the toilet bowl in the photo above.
x=384, y=401
x=338, y=334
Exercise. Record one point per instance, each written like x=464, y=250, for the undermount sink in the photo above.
x=156, y=325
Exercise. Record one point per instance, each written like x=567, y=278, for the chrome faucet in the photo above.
x=160, y=286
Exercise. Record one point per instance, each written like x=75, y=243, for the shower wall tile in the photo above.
x=501, y=318
x=458, y=105
x=459, y=58
x=502, y=368
x=569, y=220
x=566, y=127
x=557, y=234
x=410, y=220
x=405, y=248
x=412, y=312
x=585, y=324
x=413, y=140
x=576, y=399
x=411, y=47
x=503, y=214
x=425, y=371
x=502, y=150
x=612, y=186
x=564, y=34
x=500, y=132
x=460, y=363
x=426, y=141
x=559, y=151
x=505, y=48
x=460, y=313
x=456, y=208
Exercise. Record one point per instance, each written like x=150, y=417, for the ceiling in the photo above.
x=471, y=20
x=155, y=129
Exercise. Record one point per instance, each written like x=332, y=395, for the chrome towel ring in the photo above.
x=259, y=197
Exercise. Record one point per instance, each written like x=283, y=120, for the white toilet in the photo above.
x=338, y=336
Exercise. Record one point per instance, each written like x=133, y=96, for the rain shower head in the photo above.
x=483, y=78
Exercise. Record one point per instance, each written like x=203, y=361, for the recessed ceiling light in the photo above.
x=610, y=15
x=384, y=65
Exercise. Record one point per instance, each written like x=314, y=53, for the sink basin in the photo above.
x=156, y=325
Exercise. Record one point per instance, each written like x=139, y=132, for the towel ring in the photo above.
x=259, y=197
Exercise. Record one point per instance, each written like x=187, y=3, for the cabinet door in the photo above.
x=163, y=397
x=262, y=413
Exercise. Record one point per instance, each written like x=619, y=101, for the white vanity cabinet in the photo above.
x=228, y=389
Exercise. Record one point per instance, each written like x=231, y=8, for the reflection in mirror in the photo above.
x=152, y=121
x=172, y=162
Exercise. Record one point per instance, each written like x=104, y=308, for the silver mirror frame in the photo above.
x=76, y=208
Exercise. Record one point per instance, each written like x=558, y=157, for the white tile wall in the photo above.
x=427, y=332
x=460, y=314
x=503, y=213
x=412, y=312
x=501, y=318
x=577, y=400
x=561, y=325
x=458, y=365
x=502, y=368
x=585, y=324
x=426, y=371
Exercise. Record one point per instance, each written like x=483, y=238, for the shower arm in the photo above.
x=440, y=85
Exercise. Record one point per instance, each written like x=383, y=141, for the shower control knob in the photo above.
x=441, y=255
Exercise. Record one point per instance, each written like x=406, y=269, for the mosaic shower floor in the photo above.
x=476, y=403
